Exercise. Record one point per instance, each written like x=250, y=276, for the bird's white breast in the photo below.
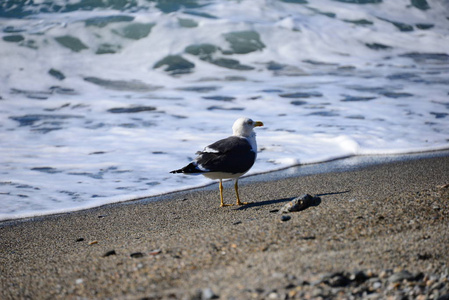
x=252, y=141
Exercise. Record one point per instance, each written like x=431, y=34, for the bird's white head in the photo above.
x=244, y=127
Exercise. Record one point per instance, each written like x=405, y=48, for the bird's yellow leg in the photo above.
x=236, y=187
x=220, y=186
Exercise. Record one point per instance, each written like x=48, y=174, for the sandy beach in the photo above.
x=379, y=232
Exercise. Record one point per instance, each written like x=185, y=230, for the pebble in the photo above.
x=285, y=218
x=359, y=276
x=377, y=285
x=423, y=256
x=400, y=276
x=109, y=253
x=136, y=255
x=300, y=203
x=364, y=284
x=207, y=294
x=155, y=252
x=336, y=279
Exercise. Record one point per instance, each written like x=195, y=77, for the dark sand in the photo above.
x=380, y=220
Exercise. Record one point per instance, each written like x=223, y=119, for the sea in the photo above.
x=101, y=99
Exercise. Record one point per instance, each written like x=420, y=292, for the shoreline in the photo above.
x=341, y=164
x=374, y=224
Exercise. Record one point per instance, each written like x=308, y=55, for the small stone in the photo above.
x=93, y=243
x=278, y=275
x=394, y=286
x=337, y=280
x=419, y=277
x=300, y=203
x=444, y=297
x=374, y=296
x=155, y=252
x=80, y=239
x=383, y=274
x=316, y=292
x=207, y=294
x=444, y=186
x=359, y=276
x=377, y=285
x=109, y=253
x=136, y=255
x=437, y=286
x=430, y=282
x=290, y=286
x=400, y=276
x=285, y=218
x=291, y=294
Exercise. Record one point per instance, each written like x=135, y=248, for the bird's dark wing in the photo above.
x=230, y=155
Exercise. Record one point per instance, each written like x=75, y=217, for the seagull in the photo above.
x=228, y=158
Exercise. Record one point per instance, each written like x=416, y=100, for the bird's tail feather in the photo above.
x=191, y=168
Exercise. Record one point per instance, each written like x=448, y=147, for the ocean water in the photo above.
x=99, y=100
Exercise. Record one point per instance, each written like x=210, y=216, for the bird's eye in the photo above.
x=250, y=122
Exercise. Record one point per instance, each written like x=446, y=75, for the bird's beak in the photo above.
x=258, y=124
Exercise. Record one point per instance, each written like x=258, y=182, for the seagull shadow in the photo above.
x=263, y=203
x=333, y=193
x=316, y=202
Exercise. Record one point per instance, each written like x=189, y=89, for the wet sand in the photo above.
x=379, y=231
